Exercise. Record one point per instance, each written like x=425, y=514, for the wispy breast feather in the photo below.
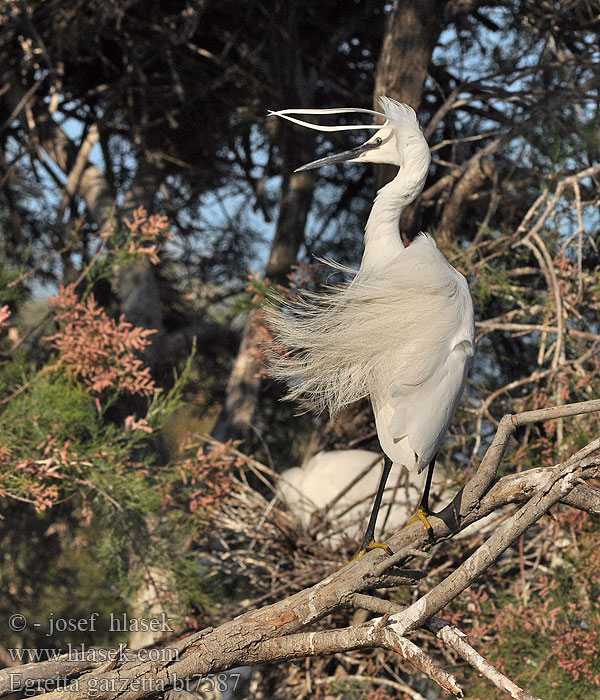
x=350, y=342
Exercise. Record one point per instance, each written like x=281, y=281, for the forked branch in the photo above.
x=281, y=631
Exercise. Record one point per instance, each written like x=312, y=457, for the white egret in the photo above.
x=401, y=332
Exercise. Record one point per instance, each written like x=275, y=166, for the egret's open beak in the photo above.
x=340, y=157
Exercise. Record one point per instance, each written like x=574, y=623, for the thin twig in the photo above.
x=456, y=640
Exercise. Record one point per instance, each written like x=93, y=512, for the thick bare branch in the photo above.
x=278, y=631
x=480, y=483
x=558, y=485
x=63, y=667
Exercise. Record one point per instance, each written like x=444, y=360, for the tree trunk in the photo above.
x=412, y=31
x=244, y=382
x=136, y=284
x=296, y=199
x=296, y=86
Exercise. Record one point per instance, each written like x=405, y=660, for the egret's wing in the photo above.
x=421, y=415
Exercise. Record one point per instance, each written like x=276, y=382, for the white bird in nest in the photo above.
x=401, y=331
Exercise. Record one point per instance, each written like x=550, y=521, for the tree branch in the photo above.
x=456, y=640
x=279, y=631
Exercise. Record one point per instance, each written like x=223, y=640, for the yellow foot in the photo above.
x=372, y=545
x=421, y=515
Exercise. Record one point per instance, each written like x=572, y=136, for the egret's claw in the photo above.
x=421, y=515
x=372, y=545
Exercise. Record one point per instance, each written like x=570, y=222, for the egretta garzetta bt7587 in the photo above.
x=401, y=332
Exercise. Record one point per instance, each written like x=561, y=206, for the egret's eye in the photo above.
x=379, y=140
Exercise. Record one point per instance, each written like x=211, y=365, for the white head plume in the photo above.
x=399, y=132
x=394, y=114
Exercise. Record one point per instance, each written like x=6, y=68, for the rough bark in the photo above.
x=474, y=177
x=412, y=30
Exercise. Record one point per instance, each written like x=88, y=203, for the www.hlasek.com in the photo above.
x=94, y=686
x=80, y=652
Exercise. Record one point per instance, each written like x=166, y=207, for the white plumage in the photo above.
x=402, y=331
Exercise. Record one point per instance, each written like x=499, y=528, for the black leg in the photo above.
x=370, y=532
x=424, y=502
x=423, y=509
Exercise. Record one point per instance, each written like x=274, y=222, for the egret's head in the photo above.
x=391, y=143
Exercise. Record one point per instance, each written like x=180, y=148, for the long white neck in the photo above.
x=382, y=235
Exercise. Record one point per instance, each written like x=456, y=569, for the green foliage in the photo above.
x=10, y=292
x=63, y=458
x=543, y=631
x=55, y=405
x=83, y=473
x=89, y=488
x=51, y=570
